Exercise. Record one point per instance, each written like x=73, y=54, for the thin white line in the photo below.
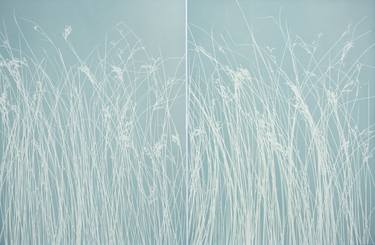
x=186, y=132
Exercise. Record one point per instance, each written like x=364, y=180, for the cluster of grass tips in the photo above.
x=281, y=139
x=90, y=153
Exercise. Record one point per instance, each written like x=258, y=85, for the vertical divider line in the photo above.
x=186, y=131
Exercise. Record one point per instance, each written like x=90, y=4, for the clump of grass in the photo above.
x=89, y=150
x=279, y=151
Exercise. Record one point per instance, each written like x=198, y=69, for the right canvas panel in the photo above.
x=281, y=122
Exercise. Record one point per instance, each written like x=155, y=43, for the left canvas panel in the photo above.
x=92, y=122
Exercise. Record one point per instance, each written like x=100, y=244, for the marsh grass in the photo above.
x=281, y=139
x=90, y=153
